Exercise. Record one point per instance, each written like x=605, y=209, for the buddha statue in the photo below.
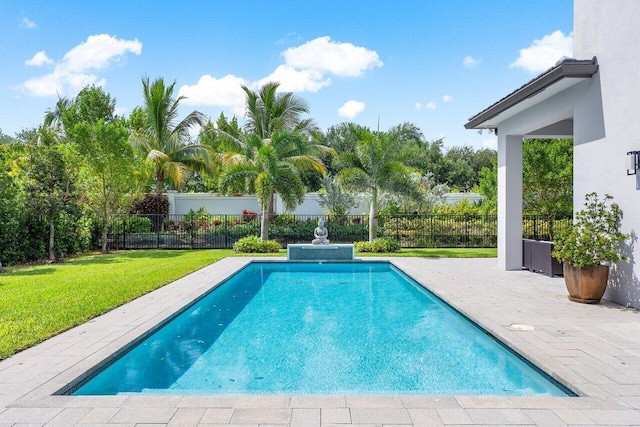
x=320, y=233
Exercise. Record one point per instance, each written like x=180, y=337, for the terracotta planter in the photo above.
x=586, y=284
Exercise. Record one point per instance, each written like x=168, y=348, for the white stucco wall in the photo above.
x=603, y=135
x=181, y=203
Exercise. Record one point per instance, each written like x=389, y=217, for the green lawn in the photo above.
x=40, y=301
x=37, y=302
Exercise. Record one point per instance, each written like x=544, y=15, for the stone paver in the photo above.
x=380, y=415
x=335, y=416
x=592, y=349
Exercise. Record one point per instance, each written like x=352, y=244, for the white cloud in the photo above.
x=470, y=61
x=98, y=52
x=306, y=69
x=224, y=92
x=324, y=55
x=38, y=60
x=293, y=80
x=431, y=105
x=447, y=98
x=351, y=109
x=27, y=23
x=490, y=143
x=544, y=53
x=74, y=71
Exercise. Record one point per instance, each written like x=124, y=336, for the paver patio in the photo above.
x=593, y=349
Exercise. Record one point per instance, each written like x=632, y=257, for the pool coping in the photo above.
x=601, y=364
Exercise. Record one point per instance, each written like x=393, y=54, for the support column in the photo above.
x=510, y=202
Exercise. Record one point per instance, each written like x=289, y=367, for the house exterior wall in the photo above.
x=607, y=123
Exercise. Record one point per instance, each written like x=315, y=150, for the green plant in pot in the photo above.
x=589, y=246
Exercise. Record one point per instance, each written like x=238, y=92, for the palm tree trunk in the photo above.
x=373, y=215
x=159, y=180
x=264, y=224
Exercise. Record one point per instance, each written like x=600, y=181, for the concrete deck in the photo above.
x=593, y=349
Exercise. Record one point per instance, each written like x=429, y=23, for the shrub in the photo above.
x=152, y=204
x=284, y=220
x=379, y=245
x=248, y=216
x=252, y=244
x=137, y=224
x=595, y=236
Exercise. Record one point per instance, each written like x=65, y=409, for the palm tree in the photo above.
x=274, y=149
x=53, y=116
x=269, y=112
x=165, y=142
x=377, y=165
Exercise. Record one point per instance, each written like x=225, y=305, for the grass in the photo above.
x=37, y=302
x=40, y=301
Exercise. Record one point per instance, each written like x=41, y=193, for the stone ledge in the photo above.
x=307, y=252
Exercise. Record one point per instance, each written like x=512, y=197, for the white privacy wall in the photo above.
x=181, y=203
x=607, y=123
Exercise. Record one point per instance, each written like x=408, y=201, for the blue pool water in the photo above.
x=309, y=328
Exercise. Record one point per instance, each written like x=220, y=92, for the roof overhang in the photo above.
x=560, y=77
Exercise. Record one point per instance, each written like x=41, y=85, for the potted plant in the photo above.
x=587, y=247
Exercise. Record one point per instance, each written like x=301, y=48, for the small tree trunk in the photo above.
x=264, y=224
x=105, y=227
x=52, y=234
x=373, y=216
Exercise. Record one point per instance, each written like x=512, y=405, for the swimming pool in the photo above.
x=311, y=328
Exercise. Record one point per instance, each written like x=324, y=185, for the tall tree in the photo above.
x=6, y=139
x=273, y=150
x=50, y=178
x=53, y=116
x=377, y=164
x=109, y=175
x=488, y=187
x=547, y=178
x=273, y=166
x=164, y=142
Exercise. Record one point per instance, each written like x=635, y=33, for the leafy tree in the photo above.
x=25, y=135
x=547, y=177
x=50, y=179
x=109, y=167
x=334, y=199
x=6, y=139
x=376, y=165
x=458, y=168
x=164, y=142
x=433, y=195
x=273, y=150
x=489, y=187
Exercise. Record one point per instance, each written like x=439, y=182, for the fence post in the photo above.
x=466, y=231
x=124, y=232
x=226, y=231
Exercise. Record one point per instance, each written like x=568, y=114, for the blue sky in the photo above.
x=434, y=63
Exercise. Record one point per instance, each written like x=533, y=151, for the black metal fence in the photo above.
x=197, y=231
